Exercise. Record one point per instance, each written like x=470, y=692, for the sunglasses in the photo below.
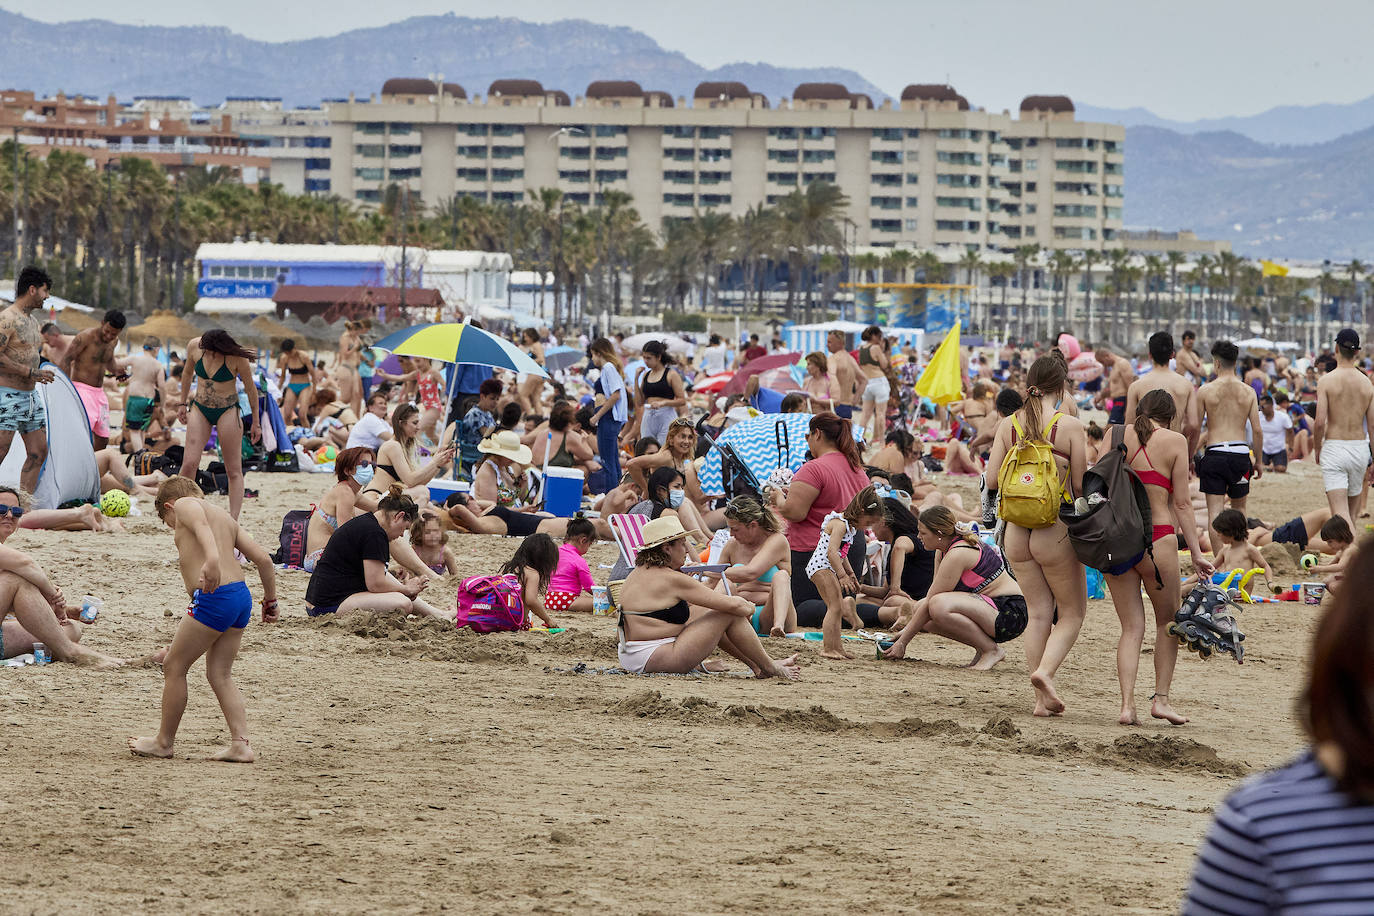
x=11, y=510
x=681, y=423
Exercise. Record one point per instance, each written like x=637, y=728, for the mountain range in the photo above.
x=1289, y=182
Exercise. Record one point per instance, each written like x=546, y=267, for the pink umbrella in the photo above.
x=755, y=366
x=712, y=384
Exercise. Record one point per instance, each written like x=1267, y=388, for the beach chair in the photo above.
x=628, y=531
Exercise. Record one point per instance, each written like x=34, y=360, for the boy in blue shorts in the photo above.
x=221, y=606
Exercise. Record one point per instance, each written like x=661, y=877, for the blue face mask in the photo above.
x=675, y=498
x=363, y=474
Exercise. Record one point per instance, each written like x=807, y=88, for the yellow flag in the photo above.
x=1270, y=269
x=940, y=381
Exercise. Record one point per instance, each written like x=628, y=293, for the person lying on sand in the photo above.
x=221, y=606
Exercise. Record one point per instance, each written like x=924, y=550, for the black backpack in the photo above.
x=294, y=526
x=1117, y=529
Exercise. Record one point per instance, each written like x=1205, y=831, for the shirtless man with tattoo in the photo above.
x=21, y=409
x=89, y=357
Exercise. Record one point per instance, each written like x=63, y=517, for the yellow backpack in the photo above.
x=1028, y=486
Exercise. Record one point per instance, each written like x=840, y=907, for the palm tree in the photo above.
x=712, y=232
x=1000, y=273
x=1175, y=260
x=810, y=220
x=1062, y=266
x=1022, y=256
x=1356, y=313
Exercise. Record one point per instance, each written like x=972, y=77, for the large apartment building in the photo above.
x=926, y=170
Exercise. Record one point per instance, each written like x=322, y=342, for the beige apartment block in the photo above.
x=923, y=171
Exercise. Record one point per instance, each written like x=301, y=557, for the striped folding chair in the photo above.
x=628, y=531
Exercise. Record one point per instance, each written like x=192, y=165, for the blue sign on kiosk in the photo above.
x=235, y=289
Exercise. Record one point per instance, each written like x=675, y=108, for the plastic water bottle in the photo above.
x=90, y=608
x=41, y=655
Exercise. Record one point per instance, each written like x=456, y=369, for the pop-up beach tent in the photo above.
x=70, y=473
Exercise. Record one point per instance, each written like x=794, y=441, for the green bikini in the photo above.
x=222, y=374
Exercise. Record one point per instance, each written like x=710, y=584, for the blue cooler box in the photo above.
x=563, y=491
x=440, y=490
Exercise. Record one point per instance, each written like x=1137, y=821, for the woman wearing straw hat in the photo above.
x=670, y=622
x=498, y=480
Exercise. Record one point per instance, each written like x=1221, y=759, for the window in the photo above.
x=885, y=225
x=1078, y=166
x=1068, y=143
x=1109, y=235
x=372, y=127
x=1111, y=168
x=957, y=225
x=610, y=153
x=958, y=158
x=317, y=142
x=1030, y=187
x=817, y=133
x=1086, y=233
x=1113, y=212
x=818, y=155
x=680, y=131
x=398, y=127
x=967, y=203
x=782, y=133
x=885, y=203
x=912, y=133
x=911, y=202
x=1111, y=146
x=808, y=177
x=712, y=177
x=782, y=177
x=506, y=130
x=581, y=198
x=885, y=156
x=479, y=152
x=1074, y=187
x=609, y=130
x=885, y=180
x=1011, y=232
x=678, y=177
x=960, y=133
x=959, y=181
x=612, y=175
x=404, y=150
x=367, y=194
x=713, y=133
x=368, y=174
x=472, y=174
x=507, y=174
x=912, y=178
x=715, y=200
x=507, y=152
x=1112, y=190
x=507, y=197
x=782, y=155
x=713, y=155
x=887, y=133
x=1032, y=209
x=1013, y=142
x=678, y=155
x=1077, y=211
x=404, y=174
x=910, y=225
x=370, y=150
x=578, y=176
x=316, y=184
x=472, y=130
x=678, y=200
x=577, y=152
x=315, y=164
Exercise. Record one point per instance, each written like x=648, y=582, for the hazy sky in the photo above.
x=1183, y=59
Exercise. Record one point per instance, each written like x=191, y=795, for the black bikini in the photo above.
x=676, y=615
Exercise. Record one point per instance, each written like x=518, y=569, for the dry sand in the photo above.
x=406, y=767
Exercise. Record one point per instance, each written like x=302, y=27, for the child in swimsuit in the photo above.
x=221, y=607
x=534, y=563
x=830, y=571
x=570, y=589
x=430, y=540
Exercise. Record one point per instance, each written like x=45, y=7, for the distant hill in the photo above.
x=1285, y=124
x=1313, y=201
x=96, y=57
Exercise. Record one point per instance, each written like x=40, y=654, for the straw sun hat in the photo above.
x=506, y=444
x=660, y=531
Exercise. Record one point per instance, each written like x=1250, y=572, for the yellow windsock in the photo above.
x=940, y=381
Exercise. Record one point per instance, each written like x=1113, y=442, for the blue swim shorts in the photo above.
x=230, y=605
x=21, y=411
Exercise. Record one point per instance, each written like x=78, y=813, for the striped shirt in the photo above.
x=1287, y=841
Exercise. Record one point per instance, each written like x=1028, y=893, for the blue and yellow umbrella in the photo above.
x=459, y=343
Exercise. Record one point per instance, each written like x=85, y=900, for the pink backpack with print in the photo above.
x=490, y=603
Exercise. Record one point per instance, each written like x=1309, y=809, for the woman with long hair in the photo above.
x=678, y=452
x=820, y=384
x=910, y=567
x=219, y=363
x=760, y=564
x=874, y=366
x=398, y=459
x=972, y=599
x=612, y=410
x=661, y=393
x=1047, y=569
x=297, y=376
x=1159, y=456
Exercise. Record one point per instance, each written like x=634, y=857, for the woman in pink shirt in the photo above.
x=822, y=485
x=570, y=589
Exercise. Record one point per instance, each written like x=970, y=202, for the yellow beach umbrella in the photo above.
x=940, y=381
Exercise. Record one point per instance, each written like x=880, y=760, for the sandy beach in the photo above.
x=407, y=767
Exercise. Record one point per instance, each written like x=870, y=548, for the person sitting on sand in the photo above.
x=910, y=568
x=1231, y=548
x=973, y=599
x=671, y=622
x=1337, y=541
x=39, y=609
x=534, y=564
x=398, y=460
x=352, y=572
x=208, y=540
x=760, y=564
x=570, y=589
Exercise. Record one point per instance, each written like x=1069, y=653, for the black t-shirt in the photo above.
x=918, y=571
x=339, y=573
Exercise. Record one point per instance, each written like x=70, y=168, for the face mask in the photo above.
x=363, y=474
x=675, y=498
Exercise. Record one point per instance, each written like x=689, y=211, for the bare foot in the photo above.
x=1161, y=709
x=149, y=747
x=236, y=752
x=1128, y=716
x=149, y=661
x=88, y=659
x=786, y=668
x=988, y=660
x=836, y=654
x=1046, y=699
x=852, y=618
x=778, y=631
